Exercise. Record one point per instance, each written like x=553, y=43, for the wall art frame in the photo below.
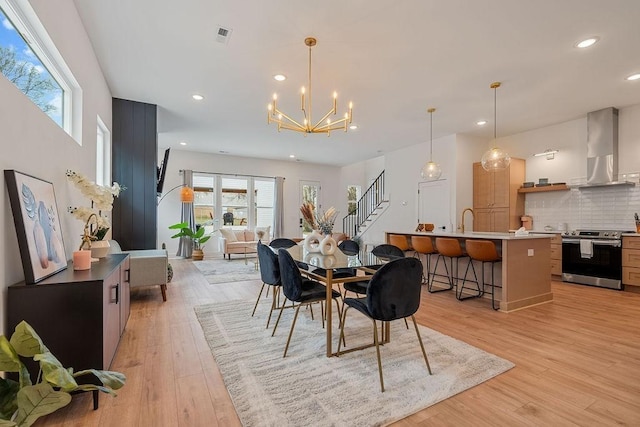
x=35, y=215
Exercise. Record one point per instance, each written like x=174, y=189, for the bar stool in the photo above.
x=400, y=241
x=424, y=245
x=448, y=248
x=484, y=251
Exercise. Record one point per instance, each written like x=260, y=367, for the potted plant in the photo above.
x=22, y=402
x=197, y=237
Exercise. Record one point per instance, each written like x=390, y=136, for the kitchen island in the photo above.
x=524, y=272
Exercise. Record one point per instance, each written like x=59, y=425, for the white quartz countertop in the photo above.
x=474, y=235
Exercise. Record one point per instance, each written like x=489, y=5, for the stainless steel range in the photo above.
x=592, y=257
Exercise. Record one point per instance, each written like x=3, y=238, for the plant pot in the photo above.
x=99, y=248
x=197, y=255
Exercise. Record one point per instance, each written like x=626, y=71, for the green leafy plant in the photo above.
x=198, y=237
x=22, y=402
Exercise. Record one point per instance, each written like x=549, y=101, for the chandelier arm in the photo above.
x=326, y=116
x=329, y=125
x=290, y=119
x=296, y=128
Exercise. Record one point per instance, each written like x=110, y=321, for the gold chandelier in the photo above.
x=324, y=125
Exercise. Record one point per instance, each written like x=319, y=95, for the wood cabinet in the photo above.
x=556, y=255
x=631, y=261
x=497, y=205
x=80, y=315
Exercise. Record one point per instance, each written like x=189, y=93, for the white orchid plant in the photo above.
x=101, y=198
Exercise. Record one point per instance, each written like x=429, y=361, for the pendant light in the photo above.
x=495, y=159
x=431, y=170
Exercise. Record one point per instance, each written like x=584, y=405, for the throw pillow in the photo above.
x=229, y=235
x=266, y=236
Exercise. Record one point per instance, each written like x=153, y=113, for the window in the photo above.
x=204, y=202
x=233, y=202
x=103, y=154
x=353, y=195
x=30, y=60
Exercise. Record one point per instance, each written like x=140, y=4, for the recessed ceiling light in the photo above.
x=280, y=77
x=587, y=42
x=197, y=97
x=292, y=156
x=481, y=122
x=353, y=127
x=635, y=76
x=183, y=143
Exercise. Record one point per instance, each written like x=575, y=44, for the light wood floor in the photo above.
x=577, y=361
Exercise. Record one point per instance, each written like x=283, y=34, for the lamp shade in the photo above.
x=431, y=171
x=495, y=159
x=186, y=195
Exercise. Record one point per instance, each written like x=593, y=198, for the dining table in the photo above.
x=364, y=264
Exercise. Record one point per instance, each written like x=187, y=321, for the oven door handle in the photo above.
x=614, y=243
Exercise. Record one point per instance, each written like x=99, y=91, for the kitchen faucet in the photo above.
x=463, y=212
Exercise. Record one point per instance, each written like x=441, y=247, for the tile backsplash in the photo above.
x=600, y=208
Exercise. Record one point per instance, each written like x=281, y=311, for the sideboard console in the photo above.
x=80, y=315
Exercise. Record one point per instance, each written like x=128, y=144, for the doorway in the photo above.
x=309, y=193
x=434, y=204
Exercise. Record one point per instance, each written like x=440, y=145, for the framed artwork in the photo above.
x=35, y=215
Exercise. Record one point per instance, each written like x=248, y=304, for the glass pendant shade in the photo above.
x=431, y=171
x=495, y=159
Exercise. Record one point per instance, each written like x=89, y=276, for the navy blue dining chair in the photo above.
x=393, y=293
x=299, y=290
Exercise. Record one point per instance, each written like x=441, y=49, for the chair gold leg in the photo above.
x=278, y=320
x=293, y=325
x=258, y=300
x=424, y=353
x=276, y=293
x=322, y=313
x=375, y=340
x=341, y=339
x=406, y=323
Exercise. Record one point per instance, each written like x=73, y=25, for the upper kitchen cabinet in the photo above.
x=497, y=205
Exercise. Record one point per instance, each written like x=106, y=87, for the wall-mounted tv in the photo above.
x=162, y=171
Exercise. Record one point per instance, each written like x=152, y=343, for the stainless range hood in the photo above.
x=602, y=149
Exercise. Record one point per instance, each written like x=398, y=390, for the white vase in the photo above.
x=312, y=242
x=99, y=248
x=328, y=245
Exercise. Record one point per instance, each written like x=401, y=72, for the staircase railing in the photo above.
x=367, y=205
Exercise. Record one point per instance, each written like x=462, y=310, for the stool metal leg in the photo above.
x=477, y=282
x=430, y=284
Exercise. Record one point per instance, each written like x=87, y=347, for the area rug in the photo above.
x=308, y=389
x=222, y=270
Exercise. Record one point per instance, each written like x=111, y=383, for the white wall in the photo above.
x=32, y=143
x=332, y=193
x=402, y=175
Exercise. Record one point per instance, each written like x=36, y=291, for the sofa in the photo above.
x=241, y=241
x=147, y=267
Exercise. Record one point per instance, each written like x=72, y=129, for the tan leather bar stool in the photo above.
x=400, y=241
x=448, y=248
x=423, y=245
x=484, y=251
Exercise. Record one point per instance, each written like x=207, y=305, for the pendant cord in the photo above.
x=495, y=114
x=431, y=137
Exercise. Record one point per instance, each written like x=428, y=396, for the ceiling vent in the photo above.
x=223, y=35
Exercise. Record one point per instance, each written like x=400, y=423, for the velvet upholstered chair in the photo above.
x=299, y=290
x=270, y=275
x=393, y=293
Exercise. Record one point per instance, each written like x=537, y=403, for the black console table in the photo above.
x=80, y=315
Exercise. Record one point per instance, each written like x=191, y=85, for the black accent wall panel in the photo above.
x=135, y=148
